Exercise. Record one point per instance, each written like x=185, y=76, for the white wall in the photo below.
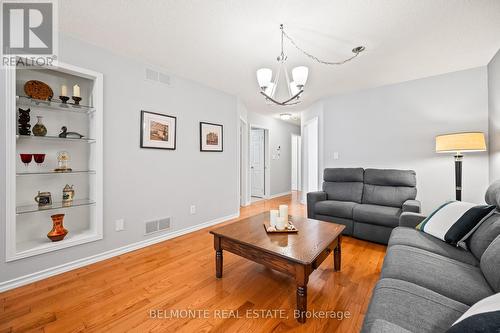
x=394, y=127
x=494, y=120
x=280, y=135
x=143, y=184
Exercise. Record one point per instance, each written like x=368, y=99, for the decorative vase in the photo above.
x=24, y=119
x=58, y=232
x=39, y=129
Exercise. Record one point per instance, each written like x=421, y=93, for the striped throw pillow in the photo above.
x=453, y=220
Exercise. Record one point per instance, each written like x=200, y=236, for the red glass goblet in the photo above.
x=39, y=158
x=26, y=158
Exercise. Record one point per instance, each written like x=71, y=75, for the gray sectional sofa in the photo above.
x=368, y=202
x=427, y=284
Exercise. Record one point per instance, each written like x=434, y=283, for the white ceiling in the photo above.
x=221, y=43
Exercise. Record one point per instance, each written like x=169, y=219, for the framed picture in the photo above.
x=211, y=137
x=158, y=131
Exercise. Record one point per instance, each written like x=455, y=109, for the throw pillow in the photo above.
x=453, y=220
x=484, y=316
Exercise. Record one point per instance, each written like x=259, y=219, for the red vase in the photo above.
x=58, y=232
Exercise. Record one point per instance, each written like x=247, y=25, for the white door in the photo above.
x=257, y=162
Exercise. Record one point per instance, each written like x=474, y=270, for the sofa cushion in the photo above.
x=384, y=326
x=349, y=224
x=393, y=196
x=343, y=175
x=411, y=307
x=335, y=208
x=390, y=177
x=451, y=278
x=490, y=264
x=418, y=239
x=343, y=191
x=373, y=214
x=482, y=237
x=389, y=187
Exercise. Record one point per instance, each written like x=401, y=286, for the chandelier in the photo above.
x=295, y=88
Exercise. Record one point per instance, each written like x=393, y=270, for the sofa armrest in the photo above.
x=312, y=198
x=411, y=206
x=410, y=220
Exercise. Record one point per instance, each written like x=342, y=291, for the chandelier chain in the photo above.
x=356, y=52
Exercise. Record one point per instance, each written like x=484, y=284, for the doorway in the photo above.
x=296, y=162
x=258, y=162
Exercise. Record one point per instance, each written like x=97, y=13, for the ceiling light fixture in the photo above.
x=286, y=116
x=268, y=86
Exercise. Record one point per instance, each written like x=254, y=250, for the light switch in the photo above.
x=336, y=155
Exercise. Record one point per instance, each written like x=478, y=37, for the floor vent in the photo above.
x=157, y=225
x=156, y=76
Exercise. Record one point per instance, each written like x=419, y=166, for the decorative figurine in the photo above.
x=69, y=135
x=62, y=162
x=44, y=199
x=58, y=231
x=68, y=195
x=39, y=129
x=24, y=119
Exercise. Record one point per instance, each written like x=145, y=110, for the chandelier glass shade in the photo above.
x=269, y=85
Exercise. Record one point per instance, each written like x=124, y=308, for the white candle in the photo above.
x=284, y=212
x=281, y=223
x=64, y=90
x=274, y=217
x=76, y=90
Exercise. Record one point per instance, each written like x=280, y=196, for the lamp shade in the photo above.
x=299, y=75
x=460, y=142
x=264, y=77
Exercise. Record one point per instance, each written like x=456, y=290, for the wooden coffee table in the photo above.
x=294, y=254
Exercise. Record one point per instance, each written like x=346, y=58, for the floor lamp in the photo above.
x=458, y=143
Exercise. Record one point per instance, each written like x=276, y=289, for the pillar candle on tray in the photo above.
x=273, y=218
x=281, y=223
x=284, y=212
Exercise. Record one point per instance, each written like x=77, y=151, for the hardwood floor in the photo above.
x=118, y=295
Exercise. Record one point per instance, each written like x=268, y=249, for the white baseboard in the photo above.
x=272, y=196
x=43, y=274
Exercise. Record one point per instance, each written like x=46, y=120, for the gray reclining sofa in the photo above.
x=427, y=284
x=368, y=202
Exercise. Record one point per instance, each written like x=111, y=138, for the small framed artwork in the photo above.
x=158, y=131
x=211, y=137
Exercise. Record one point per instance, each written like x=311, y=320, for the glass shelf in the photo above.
x=55, y=205
x=52, y=138
x=55, y=173
x=54, y=104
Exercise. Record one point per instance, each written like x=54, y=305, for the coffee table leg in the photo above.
x=337, y=252
x=218, y=257
x=301, y=277
x=301, y=303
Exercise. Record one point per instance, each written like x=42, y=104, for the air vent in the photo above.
x=156, y=225
x=156, y=76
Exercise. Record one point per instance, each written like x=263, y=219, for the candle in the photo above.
x=284, y=212
x=281, y=223
x=76, y=90
x=64, y=90
x=274, y=217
